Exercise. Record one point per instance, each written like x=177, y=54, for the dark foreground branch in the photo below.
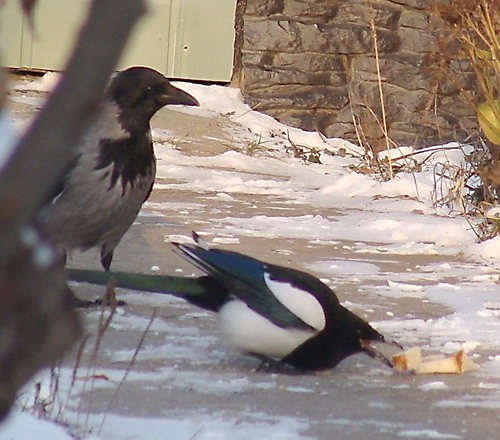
x=37, y=324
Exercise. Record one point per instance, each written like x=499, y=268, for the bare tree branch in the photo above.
x=37, y=323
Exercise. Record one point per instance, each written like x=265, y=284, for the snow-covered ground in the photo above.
x=413, y=269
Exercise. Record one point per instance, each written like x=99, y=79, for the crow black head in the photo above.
x=140, y=92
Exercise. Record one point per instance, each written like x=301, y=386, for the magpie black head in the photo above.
x=345, y=334
x=140, y=92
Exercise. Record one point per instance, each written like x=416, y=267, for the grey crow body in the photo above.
x=114, y=166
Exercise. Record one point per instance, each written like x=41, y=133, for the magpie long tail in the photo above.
x=203, y=291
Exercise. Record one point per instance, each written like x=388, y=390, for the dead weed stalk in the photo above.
x=128, y=369
x=383, y=125
x=473, y=25
x=458, y=188
x=53, y=401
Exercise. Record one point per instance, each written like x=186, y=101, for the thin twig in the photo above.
x=381, y=92
x=76, y=366
x=104, y=324
x=127, y=370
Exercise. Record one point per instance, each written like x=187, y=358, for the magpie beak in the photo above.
x=381, y=349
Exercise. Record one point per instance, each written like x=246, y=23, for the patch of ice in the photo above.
x=431, y=386
x=426, y=433
x=174, y=238
x=486, y=402
x=298, y=389
x=344, y=267
x=403, y=287
x=225, y=240
x=224, y=196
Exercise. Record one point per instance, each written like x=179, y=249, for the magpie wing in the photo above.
x=243, y=276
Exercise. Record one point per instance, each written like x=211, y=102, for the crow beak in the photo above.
x=381, y=349
x=175, y=96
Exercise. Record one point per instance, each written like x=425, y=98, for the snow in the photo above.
x=45, y=83
x=204, y=427
x=24, y=426
x=328, y=209
x=7, y=137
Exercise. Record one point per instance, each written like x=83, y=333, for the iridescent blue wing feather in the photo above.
x=243, y=276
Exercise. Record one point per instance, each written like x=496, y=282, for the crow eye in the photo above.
x=149, y=90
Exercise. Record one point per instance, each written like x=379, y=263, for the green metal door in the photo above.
x=190, y=39
x=202, y=33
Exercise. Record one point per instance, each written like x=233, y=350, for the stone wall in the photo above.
x=312, y=64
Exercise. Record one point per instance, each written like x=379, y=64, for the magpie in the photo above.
x=114, y=167
x=281, y=315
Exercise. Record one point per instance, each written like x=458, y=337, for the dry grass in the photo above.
x=473, y=188
x=473, y=25
x=383, y=124
x=307, y=154
x=374, y=125
x=55, y=401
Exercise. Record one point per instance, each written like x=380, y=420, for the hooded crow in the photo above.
x=280, y=314
x=114, y=166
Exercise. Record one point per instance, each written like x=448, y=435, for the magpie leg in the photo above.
x=272, y=366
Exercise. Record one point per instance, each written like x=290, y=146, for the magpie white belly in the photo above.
x=248, y=331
